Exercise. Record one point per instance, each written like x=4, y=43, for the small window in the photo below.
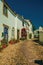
x=12, y=32
x=5, y=12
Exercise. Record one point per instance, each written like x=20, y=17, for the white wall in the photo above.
x=10, y=21
x=19, y=26
x=30, y=28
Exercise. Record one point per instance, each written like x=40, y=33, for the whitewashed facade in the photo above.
x=36, y=33
x=11, y=21
x=29, y=27
x=12, y=24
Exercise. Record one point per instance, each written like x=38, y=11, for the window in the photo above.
x=5, y=33
x=5, y=12
x=12, y=32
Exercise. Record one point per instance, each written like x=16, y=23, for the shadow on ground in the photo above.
x=40, y=62
x=39, y=43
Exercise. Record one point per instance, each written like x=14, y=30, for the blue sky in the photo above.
x=30, y=9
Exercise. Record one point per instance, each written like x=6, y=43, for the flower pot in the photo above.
x=11, y=42
x=4, y=46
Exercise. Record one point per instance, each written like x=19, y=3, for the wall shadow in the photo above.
x=40, y=62
x=39, y=43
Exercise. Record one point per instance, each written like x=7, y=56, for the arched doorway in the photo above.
x=23, y=33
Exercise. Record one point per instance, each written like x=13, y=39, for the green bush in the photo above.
x=0, y=45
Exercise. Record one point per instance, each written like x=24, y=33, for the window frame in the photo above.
x=6, y=14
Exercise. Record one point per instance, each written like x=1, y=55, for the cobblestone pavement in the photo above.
x=22, y=53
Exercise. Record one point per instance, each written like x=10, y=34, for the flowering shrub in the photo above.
x=13, y=41
x=3, y=43
x=4, y=46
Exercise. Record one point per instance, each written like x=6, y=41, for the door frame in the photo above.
x=7, y=27
x=24, y=33
x=18, y=34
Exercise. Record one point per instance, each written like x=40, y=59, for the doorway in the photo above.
x=23, y=33
x=5, y=34
x=30, y=36
x=17, y=34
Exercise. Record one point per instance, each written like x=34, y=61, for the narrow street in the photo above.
x=22, y=53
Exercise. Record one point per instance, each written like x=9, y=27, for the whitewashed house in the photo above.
x=29, y=29
x=36, y=33
x=11, y=24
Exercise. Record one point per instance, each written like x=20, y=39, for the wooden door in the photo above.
x=23, y=33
